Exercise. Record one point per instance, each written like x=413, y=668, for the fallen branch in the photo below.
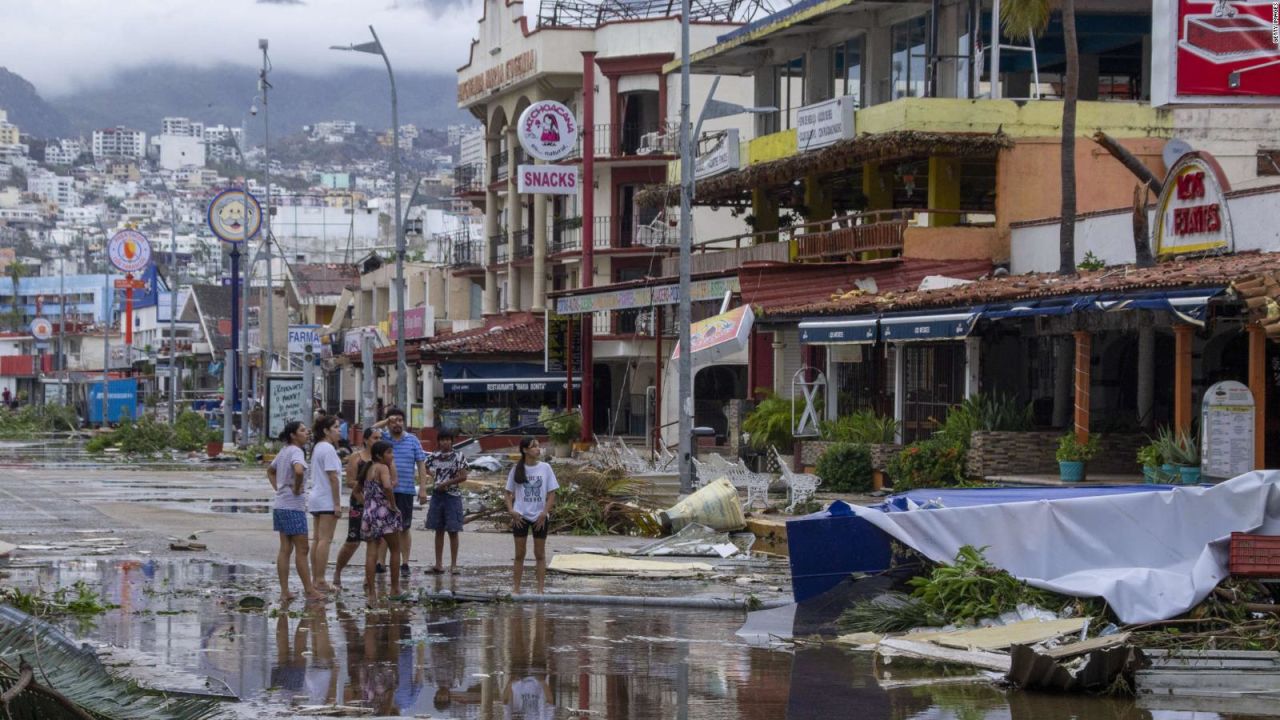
x=1250, y=606
x=25, y=675
x=26, y=683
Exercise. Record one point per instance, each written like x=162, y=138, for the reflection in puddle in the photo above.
x=507, y=661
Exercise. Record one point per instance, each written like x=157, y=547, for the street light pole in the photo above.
x=685, y=368
x=173, y=302
x=375, y=48
x=263, y=86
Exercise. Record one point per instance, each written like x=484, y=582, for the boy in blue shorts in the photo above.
x=444, y=515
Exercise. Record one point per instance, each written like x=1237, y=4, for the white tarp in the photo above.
x=1151, y=555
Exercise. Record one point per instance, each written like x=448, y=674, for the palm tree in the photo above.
x=16, y=271
x=1028, y=18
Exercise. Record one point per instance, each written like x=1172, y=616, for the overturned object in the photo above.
x=716, y=505
x=584, y=564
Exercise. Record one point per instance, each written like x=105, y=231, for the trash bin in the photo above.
x=703, y=435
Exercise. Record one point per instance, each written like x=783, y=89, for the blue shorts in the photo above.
x=289, y=522
x=445, y=512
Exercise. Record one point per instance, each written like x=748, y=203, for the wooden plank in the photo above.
x=1232, y=654
x=1027, y=632
x=928, y=651
x=1070, y=650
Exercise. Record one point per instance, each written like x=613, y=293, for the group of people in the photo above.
x=384, y=477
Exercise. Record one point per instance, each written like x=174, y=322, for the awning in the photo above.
x=500, y=377
x=908, y=327
x=862, y=329
x=719, y=335
x=1191, y=306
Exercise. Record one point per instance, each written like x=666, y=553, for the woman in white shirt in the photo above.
x=324, y=499
x=531, y=495
x=288, y=514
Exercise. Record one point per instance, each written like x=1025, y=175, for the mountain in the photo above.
x=28, y=110
x=222, y=95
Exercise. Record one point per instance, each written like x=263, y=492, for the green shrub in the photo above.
x=936, y=462
x=845, y=467
x=863, y=427
x=1072, y=450
x=191, y=432
x=990, y=413
x=31, y=421
x=144, y=436
x=561, y=428
x=99, y=443
x=769, y=424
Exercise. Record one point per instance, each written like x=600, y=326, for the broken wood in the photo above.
x=1061, y=669
x=1130, y=161
x=24, y=678
x=928, y=651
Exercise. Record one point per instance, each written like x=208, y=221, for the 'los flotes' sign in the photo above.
x=824, y=123
x=1191, y=214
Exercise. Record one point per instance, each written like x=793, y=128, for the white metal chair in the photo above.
x=800, y=486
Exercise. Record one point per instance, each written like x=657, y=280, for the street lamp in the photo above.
x=173, y=298
x=375, y=48
x=710, y=109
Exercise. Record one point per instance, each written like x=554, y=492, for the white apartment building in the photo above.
x=119, y=142
x=179, y=151
x=8, y=131
x=333, y=128
x=60, y=189
x=181, y=126
x=63, y=152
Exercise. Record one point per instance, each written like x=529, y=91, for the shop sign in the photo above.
x=41, y=329
x=517, y=68
x=1226, y=429
x=547, y=130
x=129, y=251
x=234, y=216
x=1205, y=52
x=721, y=157
x=548, y=179
x=351, y=339
x=825, y=123
x=643, y=297
x=300, y=336
x=557, y=350
x=418, y=323
x=1191, y=213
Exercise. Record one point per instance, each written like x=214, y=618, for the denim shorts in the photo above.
x=445, y=513
x=289, y=522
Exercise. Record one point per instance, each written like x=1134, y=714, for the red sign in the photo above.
x=1191, y=214
x=415, y=323
x=129, y=284
x=1226, y=49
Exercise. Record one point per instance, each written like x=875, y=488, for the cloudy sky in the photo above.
x=60, y=45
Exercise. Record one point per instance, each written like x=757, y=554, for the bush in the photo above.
x=191, y=432
x=769, y=424
x=561, y=428
x=937, y=462
x=30, y=421
x=863, y=427
x=846, y=467
x=1072, y=450
x=990, y=413
x=144, y=436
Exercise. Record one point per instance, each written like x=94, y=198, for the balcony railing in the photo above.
x=499, y=164
x=464, y=252
x=468, y=178
x=565, y=235
x=501, y=253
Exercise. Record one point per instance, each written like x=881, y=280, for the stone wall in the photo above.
x=812, y=450
x=1032, y=453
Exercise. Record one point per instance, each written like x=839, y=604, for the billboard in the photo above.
x=1215, y=52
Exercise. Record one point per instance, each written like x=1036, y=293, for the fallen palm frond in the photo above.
x=67, y=681
x=888, y=613
x=592, y=501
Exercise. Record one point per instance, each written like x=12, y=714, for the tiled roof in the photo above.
x=772, y=287
x=521, y=335
x=324, y=279
x=1180, y=273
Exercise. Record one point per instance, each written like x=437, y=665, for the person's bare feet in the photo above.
x=316, y=596
x=286, y=598
x=336, y=585
x=453, y=570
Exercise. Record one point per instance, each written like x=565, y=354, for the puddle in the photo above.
x=507, y=661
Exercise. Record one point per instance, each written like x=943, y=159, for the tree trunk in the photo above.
x=1067, y=240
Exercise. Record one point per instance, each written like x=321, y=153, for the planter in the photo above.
x=1190, y=475
x=562, y=450
x=1071, y=471
x=1151, y=474
x=213, y=449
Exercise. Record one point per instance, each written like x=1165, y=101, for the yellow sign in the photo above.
x=1191, y=214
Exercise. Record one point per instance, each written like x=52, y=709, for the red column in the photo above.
x=1084, y=350
x=588, y=228
x=657, y=375
x=1258, y=386
x=1182, y=337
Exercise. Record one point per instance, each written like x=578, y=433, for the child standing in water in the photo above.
x=287, y=474
x=531, y=495
x=355, y=464
x=380, y=521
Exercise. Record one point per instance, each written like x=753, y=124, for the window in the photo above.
x=908, y=45
x=848, y=69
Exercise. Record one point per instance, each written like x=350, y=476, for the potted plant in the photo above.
x=213, y=444
x=1184, y=453
x=769, y=425
x=562, y=429
x=1150, y=459
x=1073, y=454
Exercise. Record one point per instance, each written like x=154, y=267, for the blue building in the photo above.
x=88, y=297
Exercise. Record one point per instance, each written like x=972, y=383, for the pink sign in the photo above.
x=415, y=323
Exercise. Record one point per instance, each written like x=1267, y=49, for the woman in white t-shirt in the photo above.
x=288, y=514
x=324, y=498
x=531, y=495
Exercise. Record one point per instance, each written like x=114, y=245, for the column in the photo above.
x=429, y=395
x=765, y=210
x=1062, y=360
x=972, y=366
x=817, y=75
x=779, y=362
x=1258, y=386
x=766, y=95
x=515, y=221
x=490, y=304
x=817, y=199
x=899, y=388
x=1146, y=375
x=877, y=187
x=944, y=190
x=539, y=252
x=1182, y=337
x=1084, y=351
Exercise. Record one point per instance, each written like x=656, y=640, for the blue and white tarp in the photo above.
x=1151, y=555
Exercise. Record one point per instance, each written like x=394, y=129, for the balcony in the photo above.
x=464, y=252
x=499, y=165
x=468, y=179
x=565, y=235
x=841, y=238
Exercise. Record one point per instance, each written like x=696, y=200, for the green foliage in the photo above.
x=936, y=462
x=1149, y=456
x=1178, y=448
x=1091, y=262
x=78, y=599
x=888, y=613
x=769, y=424
x=32, y=421
x=99, y=443
x=192, y=432
x=863, y=427
x=561, y=428
x=845, y=467
x=1024, y=19
x=990, y=413
x=144, y=436
x=1072, y=450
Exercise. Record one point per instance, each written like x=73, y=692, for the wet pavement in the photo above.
x=178, y=624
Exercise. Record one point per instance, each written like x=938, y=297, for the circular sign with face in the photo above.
x=547, y=130
x=41, y=329
x=129, y=251
x=235, y=216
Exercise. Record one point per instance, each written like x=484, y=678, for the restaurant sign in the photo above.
x=825, y=123
x=643, y=297
x=723, y=155
x=1191, y=214
x=497, y=77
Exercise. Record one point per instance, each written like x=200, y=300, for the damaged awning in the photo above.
x=854, y=330
x=913, y=327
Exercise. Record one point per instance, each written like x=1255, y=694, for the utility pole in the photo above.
x=107, y=297
x=263, y=86
x=174, y=284
x=684, y=409
x=62, y=317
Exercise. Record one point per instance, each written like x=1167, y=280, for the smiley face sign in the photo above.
x=235, y=216
x=129, y=251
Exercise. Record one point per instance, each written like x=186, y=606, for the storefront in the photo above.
x=484, y=397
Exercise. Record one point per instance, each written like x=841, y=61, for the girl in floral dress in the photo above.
x=380, y=521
